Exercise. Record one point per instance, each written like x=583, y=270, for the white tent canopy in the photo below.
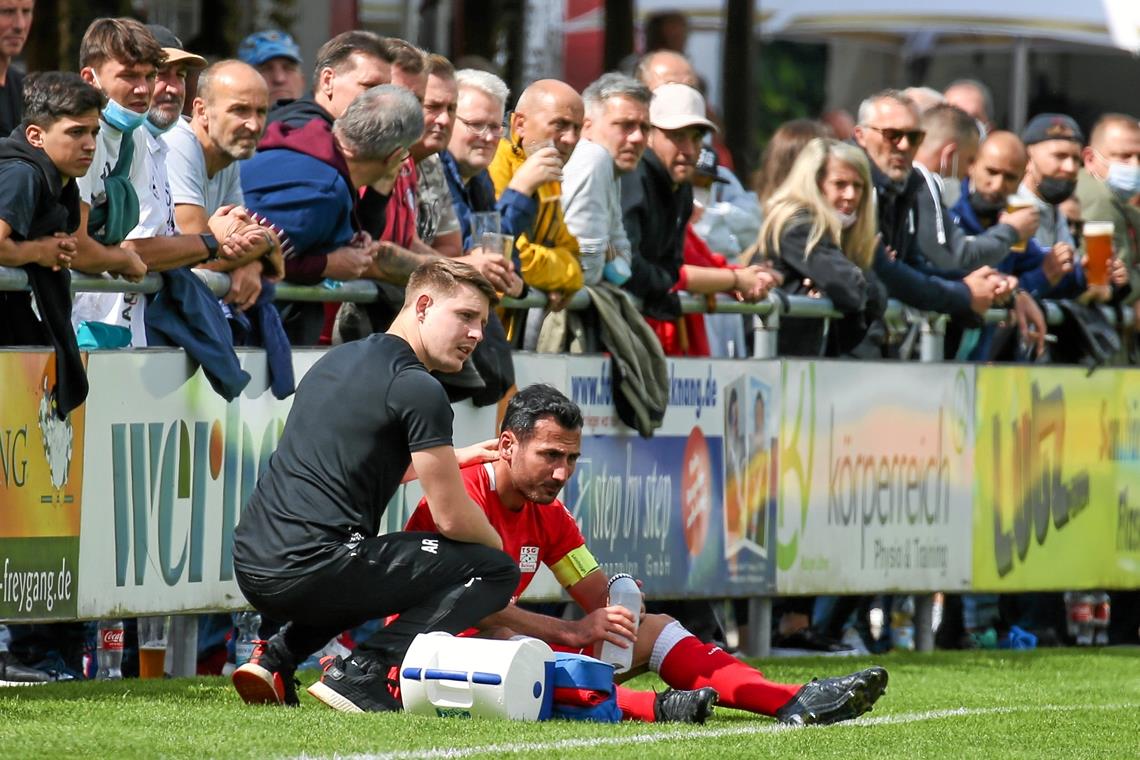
x=1099, y=23
x=914, y=28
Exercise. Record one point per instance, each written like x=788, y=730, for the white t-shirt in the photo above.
x=122, y=309
x=186, y=167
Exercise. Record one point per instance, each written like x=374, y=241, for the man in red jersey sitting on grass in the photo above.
x=538, y=450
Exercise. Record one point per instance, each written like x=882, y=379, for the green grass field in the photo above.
x=1044, y=704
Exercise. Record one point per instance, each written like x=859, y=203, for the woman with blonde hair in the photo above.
x=820, y=233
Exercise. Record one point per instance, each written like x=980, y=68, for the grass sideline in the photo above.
x=1043, y=704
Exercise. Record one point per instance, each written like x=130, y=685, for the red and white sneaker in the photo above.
x=268, y=678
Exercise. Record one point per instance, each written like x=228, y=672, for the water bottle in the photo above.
x=623, y=593
x=248, y=624
x=1070, y=614
x=1082, y=615
x=902, y=623
x=1102, y=613
x=109, y=646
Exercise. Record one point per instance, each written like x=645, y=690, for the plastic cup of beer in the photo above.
x=152, y=646
x=549, y=191
x=1098, y=249
x=1016, y=203
x=497, y=243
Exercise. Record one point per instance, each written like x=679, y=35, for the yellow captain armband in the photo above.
x=576, y=565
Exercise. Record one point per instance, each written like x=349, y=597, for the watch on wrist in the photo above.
x=211, y=244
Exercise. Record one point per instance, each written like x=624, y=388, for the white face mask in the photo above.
x=951, y=192
x=847, y=221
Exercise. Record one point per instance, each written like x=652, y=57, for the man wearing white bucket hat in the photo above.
x=538, y=450
x=307, y=550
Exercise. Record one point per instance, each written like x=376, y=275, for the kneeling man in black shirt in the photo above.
x=366, y=417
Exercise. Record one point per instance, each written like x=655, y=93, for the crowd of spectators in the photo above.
x=389, y=156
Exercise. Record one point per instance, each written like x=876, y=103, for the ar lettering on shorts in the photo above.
x=430, y=545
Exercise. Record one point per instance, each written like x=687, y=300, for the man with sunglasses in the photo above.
x=890, y=133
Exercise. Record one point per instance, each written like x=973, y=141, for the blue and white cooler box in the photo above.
x=452, y=676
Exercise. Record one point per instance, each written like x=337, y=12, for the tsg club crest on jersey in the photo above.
x=528, y=559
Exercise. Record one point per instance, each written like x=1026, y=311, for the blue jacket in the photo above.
x=185, y=313
x=517, y=210
x=261, y=326
x=299, y=181
x=1026, y=266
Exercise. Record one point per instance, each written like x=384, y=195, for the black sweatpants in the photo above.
x=431, y=582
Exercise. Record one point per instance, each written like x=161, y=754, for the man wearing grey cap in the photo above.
x=1053, y=142
x=657, y=201
x=277, y=57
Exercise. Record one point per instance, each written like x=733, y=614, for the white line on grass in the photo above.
x=711, y=733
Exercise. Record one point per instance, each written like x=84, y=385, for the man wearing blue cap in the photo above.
x=277, y=57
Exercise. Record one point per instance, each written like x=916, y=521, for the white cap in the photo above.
x=676, y=106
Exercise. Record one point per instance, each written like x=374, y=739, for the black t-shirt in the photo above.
x=11, y=102
x=19, y=190
x=357, y=416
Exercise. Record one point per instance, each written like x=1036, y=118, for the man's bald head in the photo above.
x=999, y=167
x=549, y=109
x=974, y=98
x=226, y=74
x=1007, y=145
x=229, y=112
x=666, y=67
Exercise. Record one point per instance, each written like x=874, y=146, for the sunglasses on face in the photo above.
x=914, y=137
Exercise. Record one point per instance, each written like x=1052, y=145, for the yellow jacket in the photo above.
x=549, y=253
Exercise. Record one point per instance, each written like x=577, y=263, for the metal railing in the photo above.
x=366, y=291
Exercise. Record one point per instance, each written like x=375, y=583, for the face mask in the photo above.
x=156, y=131
x=1054, y=190
x=984, y=208
x=951, y=192
x=119, y=117
x=1123, y=179
x=847, y=221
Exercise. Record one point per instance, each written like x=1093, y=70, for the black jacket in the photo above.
x=909, y=276
x=655, y=214
x=297, y=113
x=57, y=210
x=851, y=290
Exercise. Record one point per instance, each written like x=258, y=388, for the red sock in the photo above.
x=693, y=665
x=636, y=705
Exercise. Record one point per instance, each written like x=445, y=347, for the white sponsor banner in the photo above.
x=169, y=465
x=875, y=477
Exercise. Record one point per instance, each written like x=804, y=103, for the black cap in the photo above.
x=1052, y=126
x=707, y=163
x=172, y=46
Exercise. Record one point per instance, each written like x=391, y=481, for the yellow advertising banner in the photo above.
x=1057, y=488
x=41, y=463
x=41, y=482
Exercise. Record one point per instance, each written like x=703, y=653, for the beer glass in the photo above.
x=1098, y=249
x=1015, y=203
x=549, y=191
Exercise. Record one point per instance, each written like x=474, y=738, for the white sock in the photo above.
x=668, y=639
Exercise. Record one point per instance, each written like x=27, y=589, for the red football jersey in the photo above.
x=536, y=533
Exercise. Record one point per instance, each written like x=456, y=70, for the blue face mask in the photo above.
x=119, y=117
x=1123, y=179
x=156, y=130
x=122, y=119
